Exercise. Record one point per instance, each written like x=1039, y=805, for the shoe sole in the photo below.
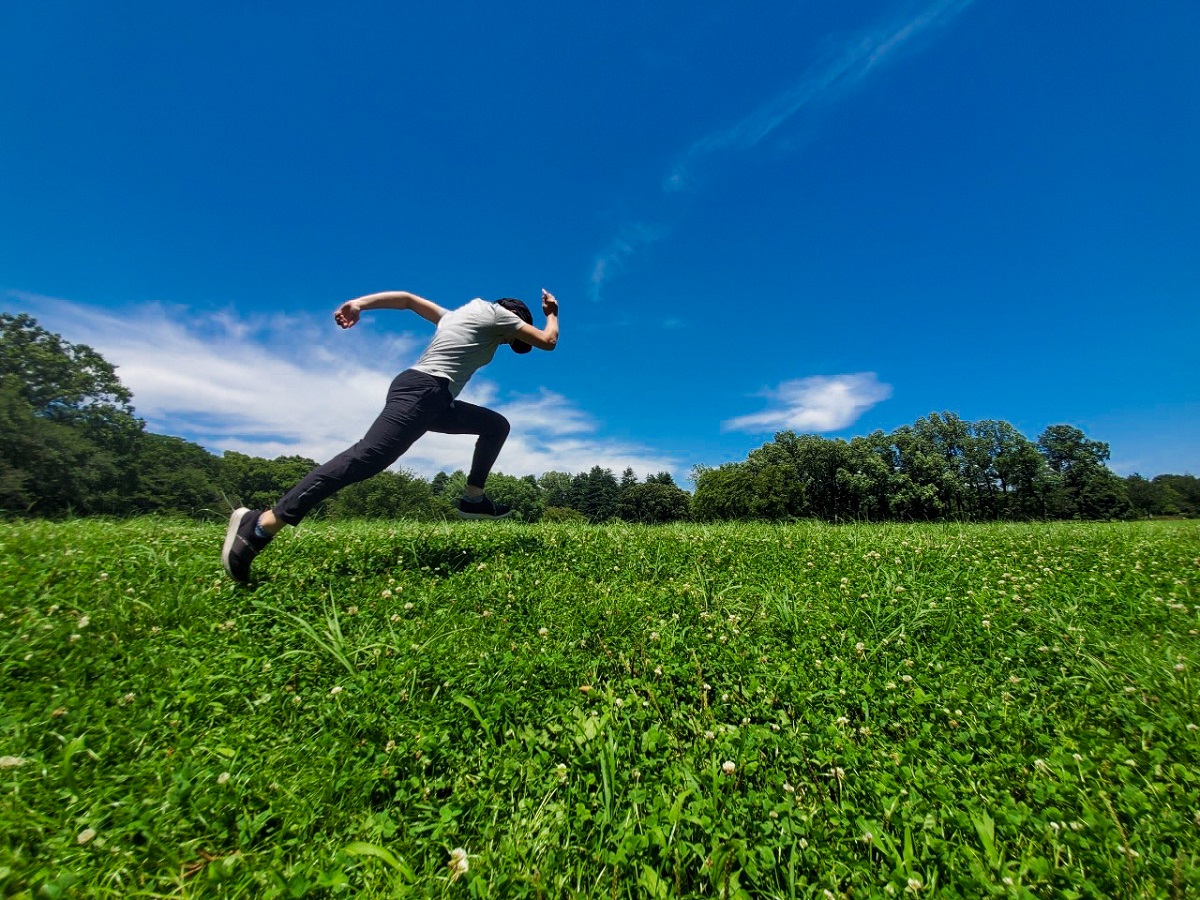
x=235, y=519
x=467, y=515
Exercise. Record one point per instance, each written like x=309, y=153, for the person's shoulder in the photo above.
x=476, y=307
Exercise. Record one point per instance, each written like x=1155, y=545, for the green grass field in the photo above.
x=497, y=710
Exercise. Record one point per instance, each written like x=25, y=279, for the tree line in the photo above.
x=71, y=444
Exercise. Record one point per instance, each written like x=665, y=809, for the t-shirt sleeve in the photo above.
x=507, y=321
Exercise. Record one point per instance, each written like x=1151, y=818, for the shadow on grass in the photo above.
x=431, y=555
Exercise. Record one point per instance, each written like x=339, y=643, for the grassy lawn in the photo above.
x=498, y=710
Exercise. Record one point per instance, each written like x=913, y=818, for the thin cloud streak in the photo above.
x=632, y=238
x=849, y=67
x=288, y=386
x=815, y=404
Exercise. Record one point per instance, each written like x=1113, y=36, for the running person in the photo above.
x=421, y=399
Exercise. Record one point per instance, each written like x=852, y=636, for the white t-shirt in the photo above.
x=466, y=341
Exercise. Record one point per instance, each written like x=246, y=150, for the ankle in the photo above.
x=267, y=525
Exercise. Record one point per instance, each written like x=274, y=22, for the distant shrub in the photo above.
x=562, y=514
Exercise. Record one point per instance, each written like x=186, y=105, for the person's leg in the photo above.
x=415, y=401
x=492, y=429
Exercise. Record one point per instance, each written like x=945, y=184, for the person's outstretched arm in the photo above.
x=347, y=314
x=543, y=338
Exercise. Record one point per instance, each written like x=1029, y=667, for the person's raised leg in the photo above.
x=414, y=401
x=492, y=429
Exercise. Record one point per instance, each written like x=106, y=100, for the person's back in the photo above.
x=466, y=340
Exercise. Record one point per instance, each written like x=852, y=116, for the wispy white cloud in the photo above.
x=818, y=403
x=297, y=385
x=850, y=65
x=632, y=238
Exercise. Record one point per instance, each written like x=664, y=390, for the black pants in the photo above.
x=416, y=403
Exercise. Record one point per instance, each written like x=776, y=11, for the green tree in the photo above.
x=742, y=491
x=75, y=447
x=1082, y=487
x=1183, y=491
x=259, y=483
x=389, y=495
x=176, y=476
x=653, y=503
x=628, y=479
x=595, y=494
x=438, y=485
x=556, y=489
x=812, y=463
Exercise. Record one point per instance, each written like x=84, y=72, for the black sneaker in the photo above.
x=241, y=544
x=483, y=508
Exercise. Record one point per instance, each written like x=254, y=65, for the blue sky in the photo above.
x=833, y=217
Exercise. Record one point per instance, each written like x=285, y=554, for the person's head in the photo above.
x=522, y=312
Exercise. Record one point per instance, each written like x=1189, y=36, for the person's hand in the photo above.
x=347, y=314
x=549, y=304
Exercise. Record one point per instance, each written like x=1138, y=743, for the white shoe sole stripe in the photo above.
x=235, y=519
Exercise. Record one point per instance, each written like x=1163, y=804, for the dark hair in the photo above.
x=513, y=305
x=521, y=311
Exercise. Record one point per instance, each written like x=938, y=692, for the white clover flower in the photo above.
x=458, y=858
x=83, y=622
x=1193, y=726
x=788, y=788
x=85, y=836
x=335, y=690
x=385, y=593
x=389, y=746
x=914, y=885
x=543, y=631
x=11, y=762
x=906, y=678
x=408, y=606
x=708, y=735
x=352, y=610
x=223, y=778
x=561, y=771
x=891, y=685
x=1179, y=667
x=728, y=767
x=842, y=720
